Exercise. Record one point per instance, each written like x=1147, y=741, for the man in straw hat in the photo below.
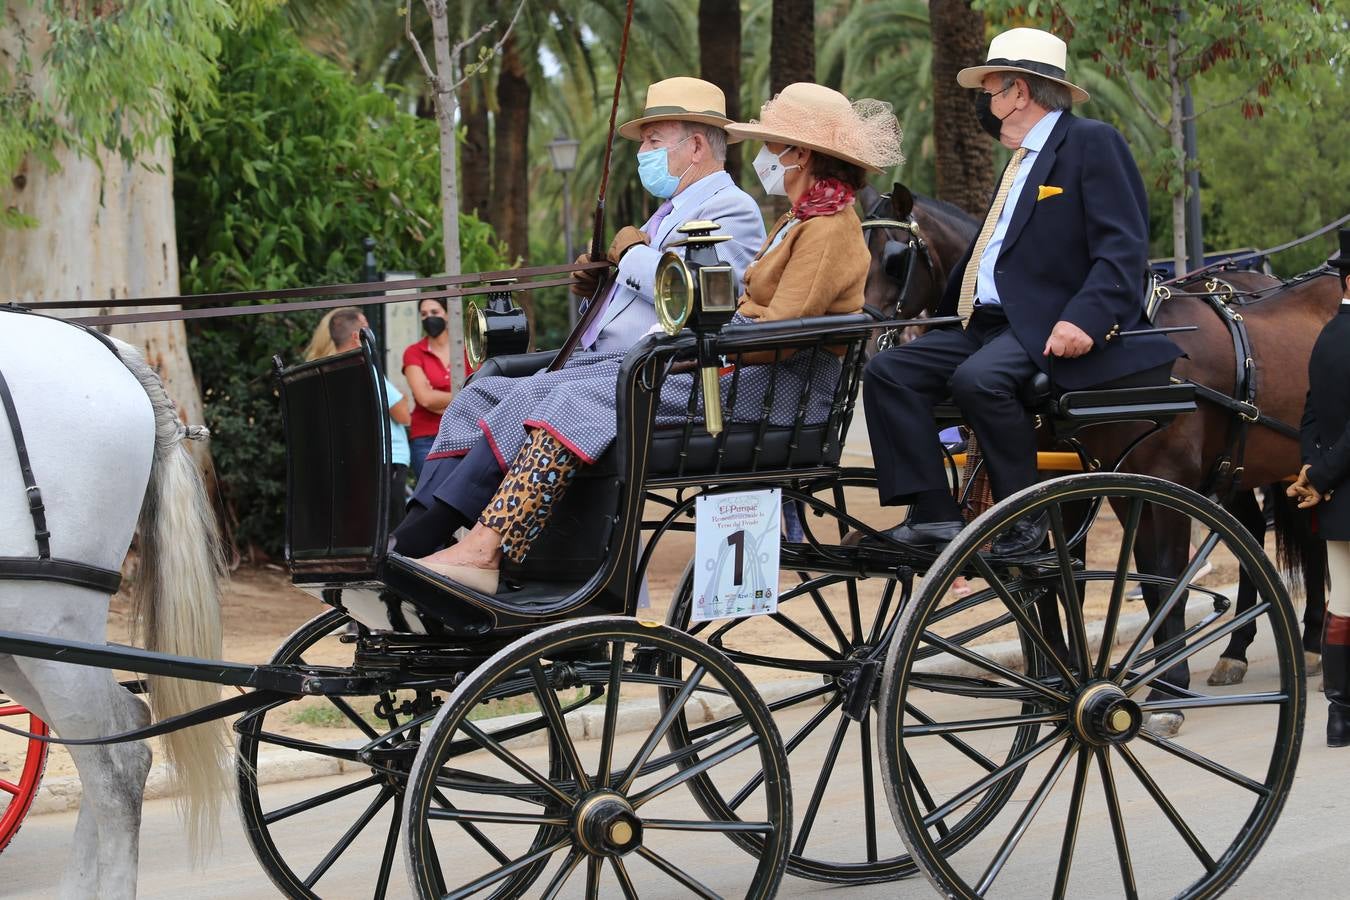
x=681, y=161
x=1324, y=483
x=1057, y=271
x=682, y=152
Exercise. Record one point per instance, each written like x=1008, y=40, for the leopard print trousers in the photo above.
x=528, y=494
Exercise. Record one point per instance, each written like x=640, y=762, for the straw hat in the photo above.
x=680, y=99
x=817, y=118
x=1028, y=50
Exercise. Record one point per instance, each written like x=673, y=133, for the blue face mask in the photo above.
x=654, y=172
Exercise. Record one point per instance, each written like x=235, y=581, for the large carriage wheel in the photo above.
x=619, y=820
x=1104, y=805
x=367, y=744
x=829, y=640
x=23, y=774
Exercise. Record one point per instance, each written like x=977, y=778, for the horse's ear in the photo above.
x=902, y=200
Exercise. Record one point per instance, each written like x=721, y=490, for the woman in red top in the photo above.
x=426, y=365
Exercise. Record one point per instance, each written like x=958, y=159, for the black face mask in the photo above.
x=992, y=124
x=434, y=326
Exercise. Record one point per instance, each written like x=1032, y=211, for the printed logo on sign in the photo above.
x=736, y=554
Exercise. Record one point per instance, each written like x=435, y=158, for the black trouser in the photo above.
x=449, y=495
x=981, y=367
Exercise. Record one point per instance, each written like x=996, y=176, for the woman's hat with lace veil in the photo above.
x=809, y=115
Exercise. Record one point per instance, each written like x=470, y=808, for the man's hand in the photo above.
x=1307, y=494
x=1067, y=340
x=584, y=284
x=627, y=238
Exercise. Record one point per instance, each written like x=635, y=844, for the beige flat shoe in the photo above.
x=484, y=581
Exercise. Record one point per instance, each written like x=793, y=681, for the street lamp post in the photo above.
x=562, y=150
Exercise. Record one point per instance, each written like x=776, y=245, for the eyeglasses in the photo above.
x=992, y=94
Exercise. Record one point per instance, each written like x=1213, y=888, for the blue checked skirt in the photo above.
x=576, y=404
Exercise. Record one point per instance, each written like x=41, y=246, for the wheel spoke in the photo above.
x=390, y=849
x=317, y=800
x=801, y=734
x=593, y=878
x=497, y=875
x=346, y=754
x=1169, y=704
x=716, y=825
x=1071, y=822
x=703, y=765
x=854, y=613
x=985, y=663
x=611, y=713
x=683, y=878
x=925, y=796
x=548, y=702
x=1205, y=763
x=1178, y=590
x=648, y=746
x=820, y=646
x=974, y=755
x=1023, y=822
x=993, y=778
x=818, y=793
x=883, y=609
x=625, y=883
x=982, y=724
x=1117, y=826
x=9, y=787
x=354, y=717
x=827, y=614
x=1167, y=808
x=869, y=795
x=495, y=817
x=1190, y=650
x=496, y=749
x=1019, y=612
x=1127, y=540
x=1073, y=606
x=350, y=835
x=555, y=884
x=473, y=831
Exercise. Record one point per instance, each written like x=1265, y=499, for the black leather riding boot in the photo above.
x=1336, y=678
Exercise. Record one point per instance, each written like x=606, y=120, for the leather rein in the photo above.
x=916, y=240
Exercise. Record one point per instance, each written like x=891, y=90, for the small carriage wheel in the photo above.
x=618, y=823
x=372, y=803
x=832, y=709
x=18, y=795
x=1100, y=771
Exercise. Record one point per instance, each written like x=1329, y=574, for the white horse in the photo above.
x=104, y=442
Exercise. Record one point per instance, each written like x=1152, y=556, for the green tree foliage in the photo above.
x=277, y=184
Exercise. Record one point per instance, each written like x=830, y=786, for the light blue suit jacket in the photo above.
x=714, y=197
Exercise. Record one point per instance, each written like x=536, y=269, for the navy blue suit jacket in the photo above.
x=1326, y=426
x=1079, y=254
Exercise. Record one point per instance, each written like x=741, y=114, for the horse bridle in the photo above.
x=886, y=339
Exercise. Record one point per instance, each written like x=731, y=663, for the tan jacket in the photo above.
x=819, y=268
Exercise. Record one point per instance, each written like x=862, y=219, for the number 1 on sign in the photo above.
x=737, y=540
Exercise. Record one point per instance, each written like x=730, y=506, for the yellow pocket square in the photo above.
x=1047, y=190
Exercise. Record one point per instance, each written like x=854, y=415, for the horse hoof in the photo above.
x=1165, y=724
x=1312, y=663
x=1228, y=671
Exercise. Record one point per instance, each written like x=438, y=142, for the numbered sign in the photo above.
x=736, y=555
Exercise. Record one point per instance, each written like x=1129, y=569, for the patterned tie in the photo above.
x=593, y=331
x=966, y=302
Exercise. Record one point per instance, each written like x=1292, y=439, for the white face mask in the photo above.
x=770, y=169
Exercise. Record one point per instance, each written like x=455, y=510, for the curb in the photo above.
x=62, y=794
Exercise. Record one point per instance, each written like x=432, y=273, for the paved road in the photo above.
x=1311, y=831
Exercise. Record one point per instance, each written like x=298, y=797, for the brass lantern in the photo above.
x=497, y=329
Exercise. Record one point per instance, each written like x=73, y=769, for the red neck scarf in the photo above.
x=825, y=198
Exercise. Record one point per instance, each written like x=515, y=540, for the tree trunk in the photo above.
x=475, y=151
x=510, y=204
x=792, y=51
x=99, y=235
x=719, y=44
x=1176, y=134
x=964, y=156
x=446, y=107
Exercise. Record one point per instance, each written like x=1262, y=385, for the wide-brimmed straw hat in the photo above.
x=1028, y=50
x=1342, y=260
x=808, y=115
x=680, y=99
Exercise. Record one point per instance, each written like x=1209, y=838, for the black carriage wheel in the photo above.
x=371, y=804
x=842, y=661
x=617, y=824
x=1097, y=776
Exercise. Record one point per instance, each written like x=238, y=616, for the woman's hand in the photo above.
x=1304, y=491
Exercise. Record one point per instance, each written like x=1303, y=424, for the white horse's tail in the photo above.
x=176, y=605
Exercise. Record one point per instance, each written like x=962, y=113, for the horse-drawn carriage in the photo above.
x=645, y=751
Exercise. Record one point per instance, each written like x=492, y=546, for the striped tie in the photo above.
x=966, y=301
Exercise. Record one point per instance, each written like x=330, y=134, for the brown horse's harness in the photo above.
x=1226, y=302
x=44, y=567
x=890, y=259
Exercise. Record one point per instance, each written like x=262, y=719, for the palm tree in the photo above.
x=719, y=50
x=963, y=159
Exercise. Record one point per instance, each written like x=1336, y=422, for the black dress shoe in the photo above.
x=1024, y=536
x=921, y=535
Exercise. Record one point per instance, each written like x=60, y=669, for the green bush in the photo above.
x=276, y=186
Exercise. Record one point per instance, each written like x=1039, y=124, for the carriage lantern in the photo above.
x=496, y=329
x=698, y=291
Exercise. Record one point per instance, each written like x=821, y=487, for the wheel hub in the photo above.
x=605, y=825
x=1102, y=714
